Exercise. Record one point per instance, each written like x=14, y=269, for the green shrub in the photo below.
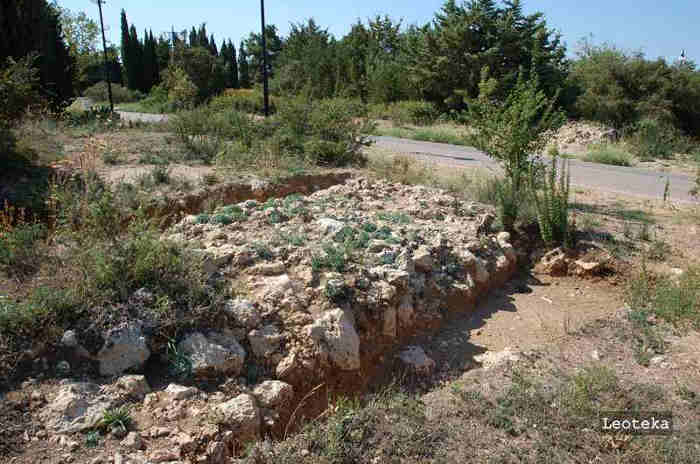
x=99, y=93
x=510, y=132
x=419, y=113
x=249, y=101
x=606, y=153
x=552, y=203
x=182, y=93
x=19, y=240
x=655, y=139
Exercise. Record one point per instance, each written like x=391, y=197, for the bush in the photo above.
x=606, y=153
x=182, y=93
x=511, y=131
x=99, y=92
x=205, y=131
x=244, y=100
x=621, y=89
x=656, y=139
x=419, y=113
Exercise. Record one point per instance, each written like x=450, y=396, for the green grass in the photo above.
x=424, y=134
x=141, y=107
x=609, y=154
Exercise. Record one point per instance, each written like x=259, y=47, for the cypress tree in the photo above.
x=33, y=26
x=126, y=49
x=136, y=80
x=194, y=38
x=243, y=72
x=234, y=65
x=212, y=46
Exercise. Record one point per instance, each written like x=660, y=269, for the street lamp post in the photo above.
x=104, y=49
x=266, y=90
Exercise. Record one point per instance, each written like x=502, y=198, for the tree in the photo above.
x=253, y=46
x=126, y=50
x=243, y=74
x=136, y=75
x=34, y=26
x=462, y=40
x=307, y=62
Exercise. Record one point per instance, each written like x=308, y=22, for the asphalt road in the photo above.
x=617, y=179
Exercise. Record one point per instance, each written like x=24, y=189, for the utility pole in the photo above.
x=104, y=49
x=266, y=90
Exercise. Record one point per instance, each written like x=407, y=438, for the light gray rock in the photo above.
x=273, y=393
x=76, y=407
x=134, y=385
x=335, y=333
x=242, y=415
x=265, y=341
x=179, y=392
x=125, y=348
x=244, y=312
x=330, y=226
x=214, y=352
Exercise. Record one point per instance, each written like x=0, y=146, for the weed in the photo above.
x=395, y=217
x=92, y=439
x=221, y=219
x=116, y=418
x=677, y=302
x=202, y=218
x=333, y=257
x=553, y=203
x=20, y=238
x=179, y=364
x=262, y=251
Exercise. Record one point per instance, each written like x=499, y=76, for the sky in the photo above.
x=659, y=28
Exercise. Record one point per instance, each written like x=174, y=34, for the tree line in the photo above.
x=444, y=62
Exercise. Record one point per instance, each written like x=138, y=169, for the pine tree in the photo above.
x=243, y=72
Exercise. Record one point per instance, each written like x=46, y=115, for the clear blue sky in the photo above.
x=656, y=27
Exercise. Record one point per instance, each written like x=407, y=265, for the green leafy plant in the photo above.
x=92, y=439
x=511, y=131
x=552, y=203
x=179, y=364
x=116, y=418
